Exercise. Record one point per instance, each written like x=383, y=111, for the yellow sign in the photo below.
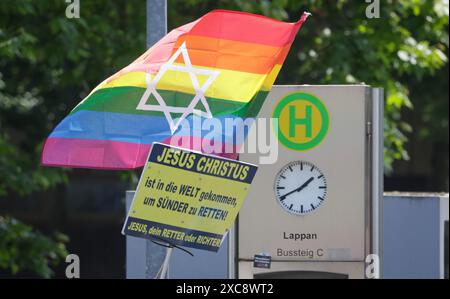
x=187, y=198
x=302, y=121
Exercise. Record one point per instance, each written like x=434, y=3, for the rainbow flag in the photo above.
x=220, y=66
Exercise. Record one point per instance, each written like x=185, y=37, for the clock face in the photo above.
x=300, y=188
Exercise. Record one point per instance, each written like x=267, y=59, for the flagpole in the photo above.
x=156, y=26
x=156, y=21
x=165, y=266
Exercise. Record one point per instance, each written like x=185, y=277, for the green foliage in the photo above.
x=47, y=64
x=20, y=174
x=25, y=249
x=340, y=45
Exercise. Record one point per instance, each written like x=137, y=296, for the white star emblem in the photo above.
x=199, y=90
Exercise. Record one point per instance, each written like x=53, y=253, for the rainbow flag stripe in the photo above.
x=235, y=58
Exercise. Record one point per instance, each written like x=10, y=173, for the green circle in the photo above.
x=312, y=100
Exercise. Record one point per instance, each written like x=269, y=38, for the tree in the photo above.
x=47, y=63
x=23, y=248
x=340, y=45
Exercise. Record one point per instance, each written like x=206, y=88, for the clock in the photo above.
x=300, y=187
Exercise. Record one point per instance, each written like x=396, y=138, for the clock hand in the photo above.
x=298, y=189
x=305, y=184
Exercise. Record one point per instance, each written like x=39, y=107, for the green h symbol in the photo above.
x=294, y=122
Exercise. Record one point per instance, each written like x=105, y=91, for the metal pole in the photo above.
x=156, y=29
x=378, y=172
x=156, y=26
x=156, y=21
x=165, y=267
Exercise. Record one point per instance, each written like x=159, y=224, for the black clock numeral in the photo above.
x=322, y=187
x=279, y=187
x=290, y=207
x=321, y=198
x=313, y=207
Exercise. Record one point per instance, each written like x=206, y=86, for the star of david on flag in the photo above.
x=219, y=67
x=199, y=90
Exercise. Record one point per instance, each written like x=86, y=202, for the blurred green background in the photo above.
x=48, y=63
